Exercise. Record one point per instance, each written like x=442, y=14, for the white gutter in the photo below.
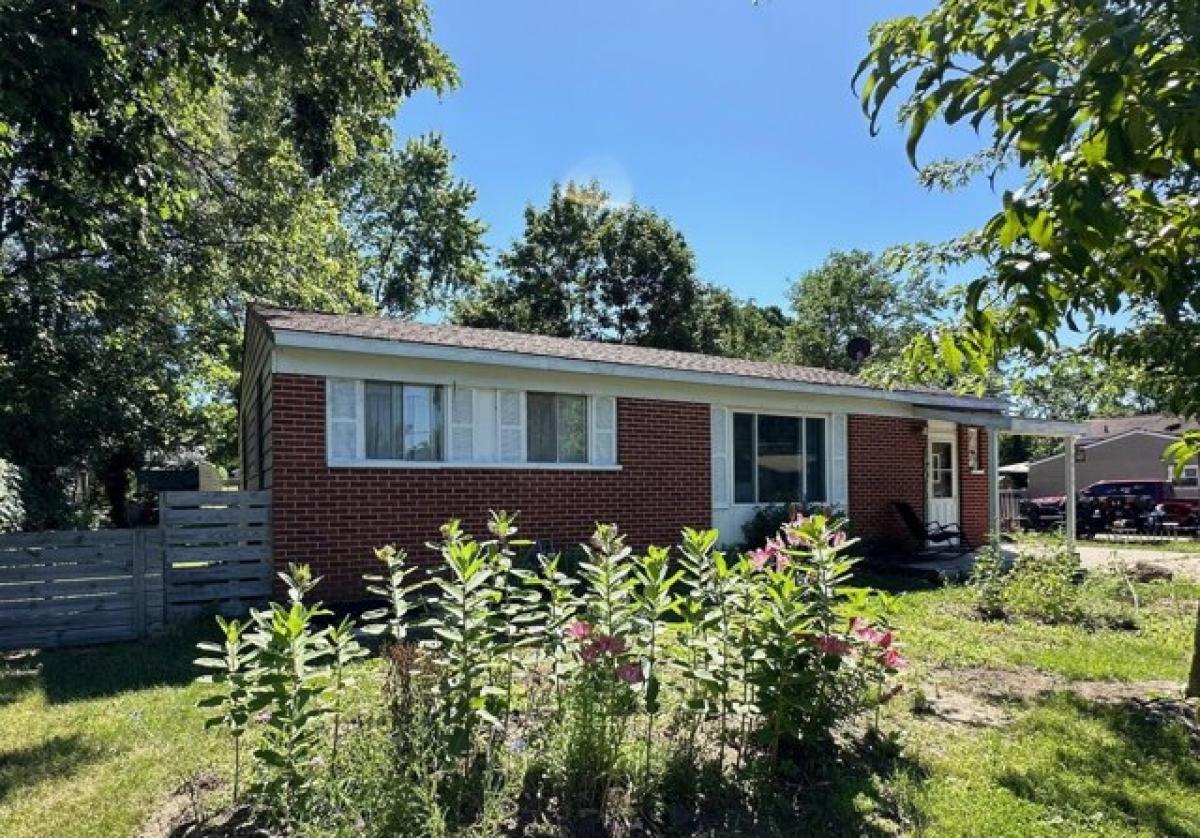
x=425, y=351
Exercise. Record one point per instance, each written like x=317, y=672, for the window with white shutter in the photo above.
x=720, y=457
x=344, y=419
x=462, y=424
x=604, y=430
x=510, y=422
x=838, y=462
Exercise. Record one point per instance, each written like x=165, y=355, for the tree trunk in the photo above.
x=1193, y=685
x=116, y=486
x=1194, y=675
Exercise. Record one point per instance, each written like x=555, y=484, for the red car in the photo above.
x=1124, y=504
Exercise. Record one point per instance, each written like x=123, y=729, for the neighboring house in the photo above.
x=1122, y=448
x=371, y=431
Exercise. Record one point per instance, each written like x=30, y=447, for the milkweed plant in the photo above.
x=505, y=659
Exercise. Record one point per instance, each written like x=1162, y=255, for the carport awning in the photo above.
x=999, y=423
x=1019, y=425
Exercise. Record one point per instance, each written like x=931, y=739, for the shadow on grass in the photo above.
x=885, y=578
x=57, y=757
x=1143, y=771
x=844, y=791
x=67, y=675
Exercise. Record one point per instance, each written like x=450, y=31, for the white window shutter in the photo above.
x=462, y=424
x=839, y=478
x=720, y=457
x=604, y=430
x=343, y=418
x=511, y=425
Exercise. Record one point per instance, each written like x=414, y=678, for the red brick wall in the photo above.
x=886, y=463
x=973, y=488
x=332, y=517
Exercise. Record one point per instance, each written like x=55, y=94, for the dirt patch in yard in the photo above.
x=979, y=697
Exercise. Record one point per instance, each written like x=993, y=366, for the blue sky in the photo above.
x=734, y=120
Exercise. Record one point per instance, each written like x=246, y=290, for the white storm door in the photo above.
x=941, y=474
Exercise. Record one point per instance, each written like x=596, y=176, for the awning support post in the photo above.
x=1069, y=493
x=993, y=469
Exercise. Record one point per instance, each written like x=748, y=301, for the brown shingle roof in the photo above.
x=462, y=337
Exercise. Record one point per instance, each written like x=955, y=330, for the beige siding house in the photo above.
x=1125, y=448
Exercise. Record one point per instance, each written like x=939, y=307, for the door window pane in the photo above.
x=814, y=461
x=941, y=469
x=743, y=458
x=572, y=429
x=778, y=459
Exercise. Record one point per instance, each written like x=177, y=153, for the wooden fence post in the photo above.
x=138, y=579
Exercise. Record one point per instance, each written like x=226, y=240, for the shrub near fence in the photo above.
x=212, y=552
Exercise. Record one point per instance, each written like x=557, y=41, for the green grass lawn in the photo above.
x=92, y=742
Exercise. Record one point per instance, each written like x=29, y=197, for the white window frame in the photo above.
x=1189, y=476
x=828, y=418
x=448, y=388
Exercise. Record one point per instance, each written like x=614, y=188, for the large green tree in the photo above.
x=738, y=328
x=411, y=225
x=856, y=294
x=587, y=268
x=1096, y=103
x=160, y=165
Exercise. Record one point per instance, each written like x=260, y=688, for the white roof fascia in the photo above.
x=1045, y=427
x=408, y=349
x=1003, y=423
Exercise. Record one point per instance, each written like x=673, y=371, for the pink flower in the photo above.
x=759, y=557
x=610, y=645
x=579, y=630
x=630, y=673
x=589, y=653
x=870, y=634
x=829, y=645
x=795, y=536
x=892, y=659
x=838, y=539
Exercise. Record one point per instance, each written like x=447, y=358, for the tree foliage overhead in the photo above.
x=410, y=223
x=586, y=268
x=1096, y=102
x=856, y=294
x=738, y=328
x=163, y=163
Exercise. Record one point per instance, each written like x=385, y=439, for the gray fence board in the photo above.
x=212, y=552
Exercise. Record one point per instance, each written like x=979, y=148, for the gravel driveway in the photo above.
x=1183, y=564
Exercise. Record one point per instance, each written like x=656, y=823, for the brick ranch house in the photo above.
x=370, y=431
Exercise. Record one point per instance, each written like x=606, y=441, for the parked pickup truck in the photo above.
x=1127, y=505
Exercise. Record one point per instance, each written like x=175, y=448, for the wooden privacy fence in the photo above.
x=216, y=551
x=66, y=588
x=211, y=552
